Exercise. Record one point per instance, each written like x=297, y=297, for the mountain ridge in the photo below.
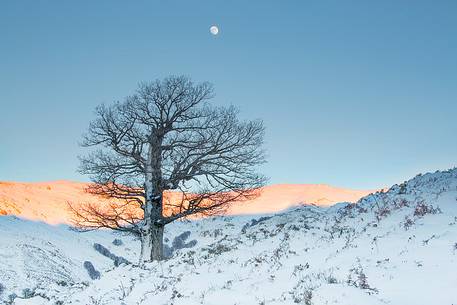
x=46, y=201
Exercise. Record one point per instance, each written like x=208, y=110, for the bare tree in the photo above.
x=167, y=138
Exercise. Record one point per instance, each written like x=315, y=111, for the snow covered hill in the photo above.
x=394, y=247
x=47, y=201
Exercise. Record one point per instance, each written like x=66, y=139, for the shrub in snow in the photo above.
x=408, y=223
x=400, y=203
x=104, y=251
x=454, y=248
x=28, y=293
x=179, y=242
x=62, y=283
x=302, y=292
x=219, y=249
x=117, y=242
x=358, y=278
x=346, y=210
x=2, y=289
x=254, y=222
x=213, y=233
x=12, y=297
x=308, y=295
x=331, y=279
x=304, y=296
x=382, y=212
x=402, y=188
x=257, y=221
x=93, y=274
x=423, y=209
x=118, y=260
x=299, y=268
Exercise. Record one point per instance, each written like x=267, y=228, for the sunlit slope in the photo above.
x=47, y=201
x=278, y=197
x=44, y=201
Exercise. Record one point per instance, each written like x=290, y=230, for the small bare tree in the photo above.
x=167, y=140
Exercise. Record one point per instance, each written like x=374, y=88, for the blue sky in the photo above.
x=359, y=94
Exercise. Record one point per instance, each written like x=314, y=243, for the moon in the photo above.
x=214, y=30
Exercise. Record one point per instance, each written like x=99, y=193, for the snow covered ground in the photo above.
x=395, y=247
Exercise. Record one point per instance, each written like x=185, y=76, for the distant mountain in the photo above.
x=278, y=197
x=47, y=201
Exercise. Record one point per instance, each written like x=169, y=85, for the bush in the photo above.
x=28, y=293
x=423, y=209
x=253, y=223
x=12, y=297
x=408, y=223
x=402, y=188
x=117, y=242
x=118, y=260
x=383, y=212
x=62, y=283
x=103, y=250
x=400, y=203
x=219, y=249
x=179, y=242
x=2, y=288
x=358, y=278
x=93, y=274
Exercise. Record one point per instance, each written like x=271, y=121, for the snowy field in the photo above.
x=397, y=247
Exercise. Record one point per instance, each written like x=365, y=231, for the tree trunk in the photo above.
x=157, y=243
x=146, y=247
x=152, y=231
x=152, y=244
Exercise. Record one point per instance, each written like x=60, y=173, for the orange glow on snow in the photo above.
x=47, y=201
